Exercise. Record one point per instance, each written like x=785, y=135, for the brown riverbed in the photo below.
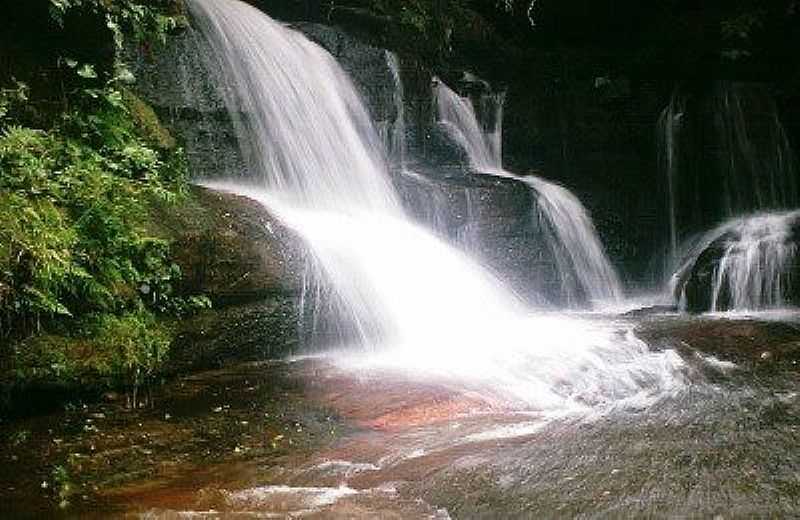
x=308, y=439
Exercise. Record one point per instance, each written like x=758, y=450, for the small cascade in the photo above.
x=457, y=115
x=747, y=263
x=669, y=126
x=396, y=138
x=757, y=162
x=583, y=267
x=728, y=144
x=745, y=166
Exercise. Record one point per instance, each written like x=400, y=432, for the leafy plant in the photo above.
x=85, y=287
x=12, y=97
x=62, y=485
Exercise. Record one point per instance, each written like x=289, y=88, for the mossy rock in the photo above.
x=230, y=248
x=147, y=123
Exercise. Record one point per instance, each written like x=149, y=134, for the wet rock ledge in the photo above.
x=232, y=250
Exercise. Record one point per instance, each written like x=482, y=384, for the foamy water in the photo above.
x=412, y=304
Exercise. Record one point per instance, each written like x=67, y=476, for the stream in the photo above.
x=308, y=438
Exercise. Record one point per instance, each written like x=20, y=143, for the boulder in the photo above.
x=251, y=267
x=758, y=256
x=231, y=249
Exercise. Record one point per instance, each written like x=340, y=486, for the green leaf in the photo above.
x=87, y=71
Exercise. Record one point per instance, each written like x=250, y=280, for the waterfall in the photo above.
x=757, y=161
x=457, y=115
x=668, y=131
x=570, y=233
x=749, y=263
x=725, y=155
x=396, y=142
x=409, y=301
x=313, y=149
x=302, y=127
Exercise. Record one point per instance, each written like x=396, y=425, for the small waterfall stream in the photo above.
x=669, y=123
x=750, y=263
x=396, y=139
x=746, y=178
x=570, y=234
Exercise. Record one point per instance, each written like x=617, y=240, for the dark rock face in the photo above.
x=240, y=253
x=696, y=284
x=184, y=92
x=251, y=266
x=263, y=329
x=596, y=136
x=761, y=345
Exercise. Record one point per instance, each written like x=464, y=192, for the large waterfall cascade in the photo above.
x=301, y=124
x=569, y=230
x=411, y=302
x=745, y=177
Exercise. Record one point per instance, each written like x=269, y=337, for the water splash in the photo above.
x=750, y=262
x=411, y=302
x=586, y=272
x=551, y=362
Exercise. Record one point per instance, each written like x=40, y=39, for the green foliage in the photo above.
x=414, y=14
x=63, y=485
x=12, y=97
x=85, y=285
x=74, y=213
x=146, y=120
x=134, y=345
x=36, y=263
x=433, y=21
x=20, y=437
x=120, y=350
x=122, y=16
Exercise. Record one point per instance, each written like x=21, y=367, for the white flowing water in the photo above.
x=416, y=305
x=746, y=164
x=755, y=259
x=302, y=127
x=758, y=163
x=571, y=235
x=751, y=169
x=669, y=126
x=457, y=115
x=396, y=139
